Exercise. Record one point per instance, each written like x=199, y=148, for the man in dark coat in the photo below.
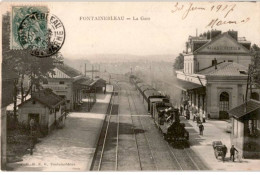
x=224, y=152
x=187, y=114
x=201, y=128
x=181, y=110
x=232, y=152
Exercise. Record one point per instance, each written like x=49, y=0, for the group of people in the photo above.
x=186, y=112
x=233, y=150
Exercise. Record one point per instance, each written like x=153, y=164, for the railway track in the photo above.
x=130, y=141
x=143, y=163
x=188, y=163
x=106, y=158
x=173, y=155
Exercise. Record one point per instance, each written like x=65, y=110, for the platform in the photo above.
x=73, y=147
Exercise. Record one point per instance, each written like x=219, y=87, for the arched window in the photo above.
x=224, y=96
x=223, y=105
x=255, y=96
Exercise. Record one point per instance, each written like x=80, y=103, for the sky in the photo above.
x=166, y=31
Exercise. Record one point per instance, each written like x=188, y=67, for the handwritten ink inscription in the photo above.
x=223, y=10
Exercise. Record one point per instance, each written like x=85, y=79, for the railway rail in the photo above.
x=150, y=151
x=101, y=160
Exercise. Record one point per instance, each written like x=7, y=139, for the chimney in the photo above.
x=233, y=34
x=208, y=35
x=214, y=33
x=187, y=47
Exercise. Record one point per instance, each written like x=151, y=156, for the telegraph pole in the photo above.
x=92, y=71
x=85, y=69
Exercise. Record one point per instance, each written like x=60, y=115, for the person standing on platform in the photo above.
x=181, y=110
x=187, y=114
x=232, y=153
x=201, y=128
x=224, y=152
x=194, y=117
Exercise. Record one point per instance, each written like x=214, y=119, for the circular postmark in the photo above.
x=41, y=33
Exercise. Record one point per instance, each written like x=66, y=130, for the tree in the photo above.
x=179, y=62
x=24, y=64
x=256, y=64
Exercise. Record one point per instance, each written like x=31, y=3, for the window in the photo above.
x=252, y=128
x=62, y=82
x=62, y=96
x=224, y=101
x=230, y=60
x=255, y=96
x=214, y=62
x=223, y=105
x=45, y=82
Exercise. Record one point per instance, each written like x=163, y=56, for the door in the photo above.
x=255, y=96
x=36, y=118
x=223, y=105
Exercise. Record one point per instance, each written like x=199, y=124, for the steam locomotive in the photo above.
x=165, y=116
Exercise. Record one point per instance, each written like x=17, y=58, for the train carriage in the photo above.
x=156, y=99
x=139, y=85
x=165, y=116
x=148, y=94
x=145, y=88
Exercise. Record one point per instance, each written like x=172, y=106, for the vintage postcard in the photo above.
x=130, y=86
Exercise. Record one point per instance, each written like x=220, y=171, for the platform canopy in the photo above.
x=84, y=84
x=189, y=86
x=246, y=111
x=100, y=82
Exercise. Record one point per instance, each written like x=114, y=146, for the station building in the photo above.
x=46, y=108
x=63, y=83
x=246, y=128
x=71, y=85
x=214, y=78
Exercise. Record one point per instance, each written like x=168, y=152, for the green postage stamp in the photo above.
x=36, y=30
x=19, y=13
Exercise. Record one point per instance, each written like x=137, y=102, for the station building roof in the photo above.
x=100, y=82
x=85, y=81
x=246, y=111
x=71, y=72
x=45, y=97
x=225, y=69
